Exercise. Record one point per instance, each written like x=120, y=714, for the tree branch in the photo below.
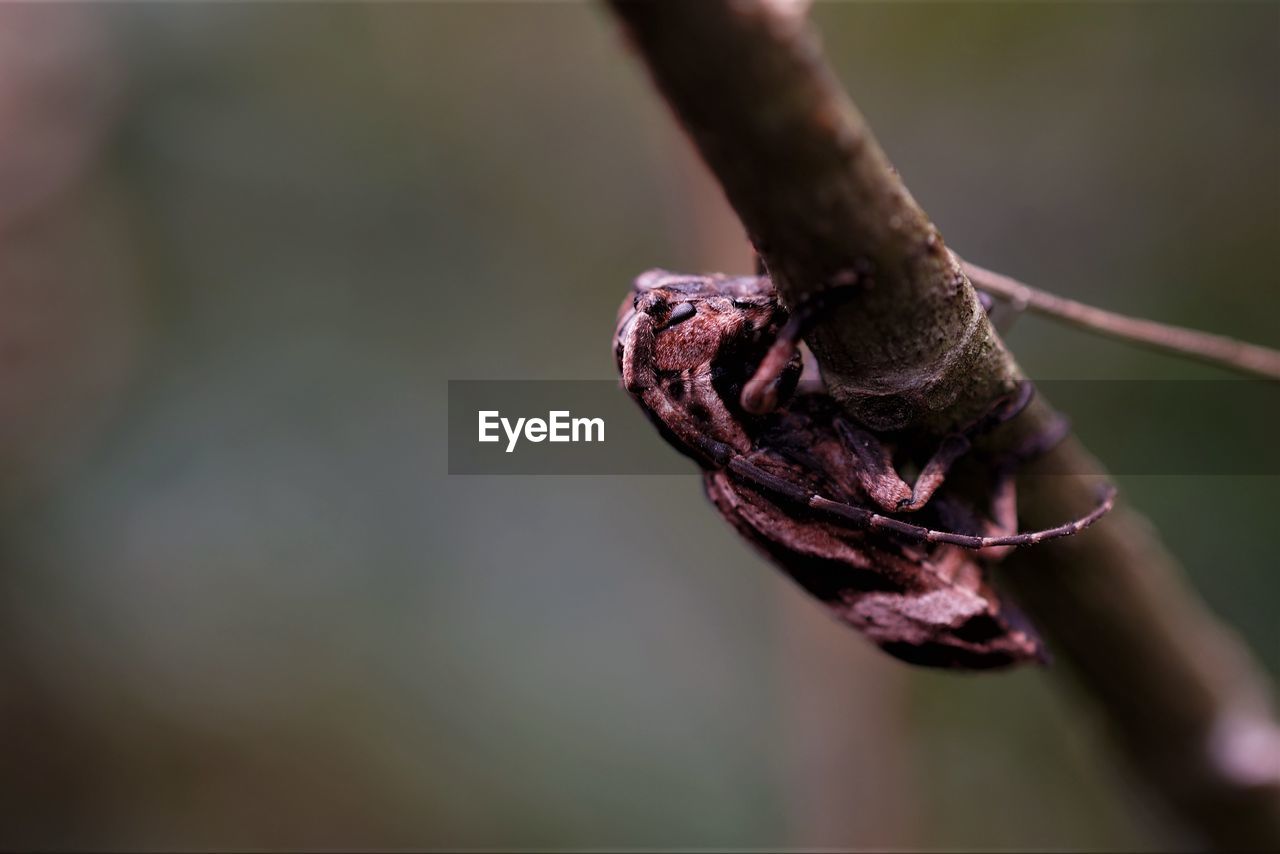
x=824, y=207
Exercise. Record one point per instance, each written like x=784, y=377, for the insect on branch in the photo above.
x=823, y=207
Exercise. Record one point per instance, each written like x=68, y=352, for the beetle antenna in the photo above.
x=860, y=517
x=1205, y=346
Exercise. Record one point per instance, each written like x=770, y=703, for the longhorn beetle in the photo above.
x=714, y=362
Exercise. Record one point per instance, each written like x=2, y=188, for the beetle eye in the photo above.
x=681, y=313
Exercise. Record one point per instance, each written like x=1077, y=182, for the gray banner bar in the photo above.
x=1141, y=427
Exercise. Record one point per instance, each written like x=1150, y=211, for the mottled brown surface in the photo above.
x=924, y=603
x=687, y=346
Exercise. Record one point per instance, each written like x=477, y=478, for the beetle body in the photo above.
x=816, y=493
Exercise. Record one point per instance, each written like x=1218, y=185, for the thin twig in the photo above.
x=823, y=206
x=1217, y=350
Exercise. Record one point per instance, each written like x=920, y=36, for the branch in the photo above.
x=824, y=207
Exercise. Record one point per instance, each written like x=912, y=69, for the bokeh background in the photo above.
x=244, y=246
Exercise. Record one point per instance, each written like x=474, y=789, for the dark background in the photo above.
x=244, y=247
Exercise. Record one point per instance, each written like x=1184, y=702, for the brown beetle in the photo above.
x=714, y=362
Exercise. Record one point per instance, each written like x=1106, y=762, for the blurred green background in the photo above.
x=243, y=247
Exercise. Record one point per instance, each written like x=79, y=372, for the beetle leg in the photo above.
x=1005, y=408
x=1003, y=519
x=880, y=480
x=953, y=446
x=873, y=469
x=760, y=394
x=1004, y=514
x=1037, y=445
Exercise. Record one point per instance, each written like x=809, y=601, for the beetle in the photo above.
x=714, y=361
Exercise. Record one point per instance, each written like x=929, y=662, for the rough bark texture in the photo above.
x=824, y=208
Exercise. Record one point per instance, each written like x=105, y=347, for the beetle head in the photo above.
x=696, y=318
